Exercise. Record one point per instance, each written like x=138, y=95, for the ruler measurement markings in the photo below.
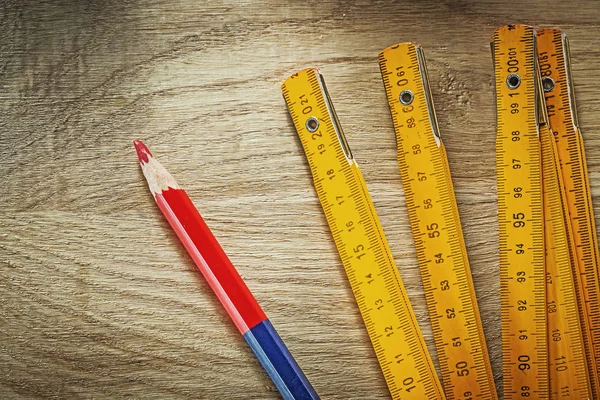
x=373, y=275
x=520, y=216
x=428, y=189
x=579, y=218
x=567, y=362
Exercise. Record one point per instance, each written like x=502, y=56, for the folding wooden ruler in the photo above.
x=435, y=223
x=553, y=53
x=361, y=243
x=520, y=215
x=567, y=364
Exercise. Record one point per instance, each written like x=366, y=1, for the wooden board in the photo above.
x=97, y=297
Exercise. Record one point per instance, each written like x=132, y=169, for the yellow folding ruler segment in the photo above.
x=437, y=232
x=359, y=237
x=568, y=370
x=520, y=215
x=553, y=55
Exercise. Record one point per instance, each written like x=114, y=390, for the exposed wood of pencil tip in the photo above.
x=159, y=179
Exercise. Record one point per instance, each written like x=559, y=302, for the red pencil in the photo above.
x=224, y=280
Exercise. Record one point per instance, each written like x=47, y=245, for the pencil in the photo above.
x=221, y=275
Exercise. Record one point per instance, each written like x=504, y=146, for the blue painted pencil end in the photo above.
x=279, y=363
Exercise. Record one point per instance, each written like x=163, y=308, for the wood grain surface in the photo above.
x=98, y=299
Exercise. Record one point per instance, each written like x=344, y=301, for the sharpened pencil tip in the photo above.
x=142, y=151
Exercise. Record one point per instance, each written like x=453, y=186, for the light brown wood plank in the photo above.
x=97, y=297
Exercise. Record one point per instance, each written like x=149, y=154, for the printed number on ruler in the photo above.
x=438, y=237
x=567, y=363
x=361, y=243
x=520, y=216
x=556, y=80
